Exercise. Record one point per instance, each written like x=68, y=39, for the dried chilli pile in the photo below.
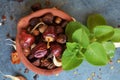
x=43, y=41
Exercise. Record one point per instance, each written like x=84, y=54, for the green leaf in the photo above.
x=85, y=28
x=116, y=36
x=81, y=37
x=72, y=46
x=71, y=57
x=73, y=26
x=110, y=48
x=103, y=32
x=95, y=20
x=96, y=54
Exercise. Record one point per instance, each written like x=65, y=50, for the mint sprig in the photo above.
x=73, y=26
x=72, y=56
x=93, y=43
x=96, y=54
x=116, y=36
x=81, y=37
x=103, y=32
x=95, y=20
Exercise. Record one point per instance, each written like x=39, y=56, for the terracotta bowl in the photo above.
x=22, y=24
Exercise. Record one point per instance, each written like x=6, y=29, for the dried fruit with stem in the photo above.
x=58, y=20
x=48, y=18
x=26, y=39
x=61, y=38
x=40, y=50
x=49, y=35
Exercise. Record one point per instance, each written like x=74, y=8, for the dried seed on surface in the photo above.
x=36, y=7
x=4, y=18
x=26, y=70
x=118, y=61
x=35, y=76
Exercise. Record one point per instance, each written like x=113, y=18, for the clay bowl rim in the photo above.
x=23, y=22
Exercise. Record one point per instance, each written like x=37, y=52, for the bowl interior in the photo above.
x=23, y=24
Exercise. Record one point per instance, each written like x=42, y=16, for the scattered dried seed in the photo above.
x=89, y=79
x=99, y=77
x=3, y=17
x=26, y=70
x=3, y=22
x=8, y=35
x=75, y=72
x=19, y=0
x=112, y=67
x=35, y=76
x=36, y=6
x=11, y=17
x=118, y=61
x=47, y=3
x=93, y=74
x=99, y=69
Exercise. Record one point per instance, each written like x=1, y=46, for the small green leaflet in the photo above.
x=73, y=26
x=95, y=20
x=71, y=57
x=110, y=49
x=116, y=36
x=103, y=32
x=81, y=37
x=96, y=54
x=93, y=43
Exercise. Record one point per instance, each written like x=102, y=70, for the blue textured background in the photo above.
x=79, y=9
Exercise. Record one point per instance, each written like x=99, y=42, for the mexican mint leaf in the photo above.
x=103, y=32
x=110, y=48
x=81, y=37
x=95, y=20
x=71, y=57
x=116, y=36
x=73, y=26
x=96, y=54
